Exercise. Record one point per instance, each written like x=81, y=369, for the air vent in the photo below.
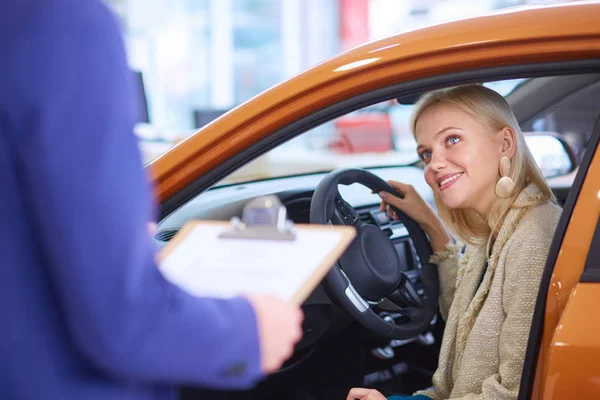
x=367, y=218
x=165, y=235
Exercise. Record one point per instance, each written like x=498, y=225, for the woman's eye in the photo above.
x=425, y=155
x=453, y=139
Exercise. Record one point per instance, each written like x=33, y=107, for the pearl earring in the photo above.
x=505, y=185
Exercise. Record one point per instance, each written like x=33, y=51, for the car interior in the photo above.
x=338, y=350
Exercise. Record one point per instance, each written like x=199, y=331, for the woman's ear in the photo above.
x=508, y=141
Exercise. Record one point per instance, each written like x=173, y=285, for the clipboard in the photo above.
x=202, y=261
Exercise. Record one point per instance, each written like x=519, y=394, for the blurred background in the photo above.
x=195, y=59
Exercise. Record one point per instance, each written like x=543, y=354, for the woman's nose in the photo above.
x=438, y=161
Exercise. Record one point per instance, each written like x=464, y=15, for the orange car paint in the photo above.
x=571, y=337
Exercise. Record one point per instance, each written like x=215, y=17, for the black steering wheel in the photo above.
x=369, y=273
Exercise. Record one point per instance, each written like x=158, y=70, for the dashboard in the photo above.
x=321, y=313
x=224, y=202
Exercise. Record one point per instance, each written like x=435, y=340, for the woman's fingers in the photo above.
x=390, y=212
x=401, y=189
x=410, y=203
x=357, y=393
x=392, y=200
x=364, y=394
x=389, y=200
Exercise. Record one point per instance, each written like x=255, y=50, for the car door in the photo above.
x=564, y=344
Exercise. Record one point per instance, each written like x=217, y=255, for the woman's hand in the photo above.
x=412, y=204
x=364, y=394
x=417, y=209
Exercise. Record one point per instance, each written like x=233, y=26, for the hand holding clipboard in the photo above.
x=264, y=254
x=264, y=258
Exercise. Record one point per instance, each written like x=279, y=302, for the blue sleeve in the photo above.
x=71, y=107
x=415, y=397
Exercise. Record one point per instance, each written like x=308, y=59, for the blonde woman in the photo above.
x=491, y=196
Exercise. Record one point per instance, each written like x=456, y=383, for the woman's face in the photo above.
x=461, y=156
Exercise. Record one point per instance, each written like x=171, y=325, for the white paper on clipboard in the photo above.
x=203, y=264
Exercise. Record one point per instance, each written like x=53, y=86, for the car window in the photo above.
x=377, y=135
x=374, y=136
x=573, y=120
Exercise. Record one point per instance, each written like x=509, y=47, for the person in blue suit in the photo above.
x=85, y=313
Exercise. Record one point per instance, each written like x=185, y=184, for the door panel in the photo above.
x=571, y=323
x=573, y=368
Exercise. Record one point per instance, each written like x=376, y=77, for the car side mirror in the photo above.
x=552, y=154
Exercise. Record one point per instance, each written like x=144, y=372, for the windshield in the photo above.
x=374, y=136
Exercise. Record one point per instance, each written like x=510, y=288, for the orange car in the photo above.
x=546, y=60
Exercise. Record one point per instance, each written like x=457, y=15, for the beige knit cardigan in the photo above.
x=487, y=328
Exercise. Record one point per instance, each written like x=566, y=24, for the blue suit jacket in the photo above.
x=84, y=312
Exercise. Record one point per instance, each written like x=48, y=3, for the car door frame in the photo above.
x=554, y=364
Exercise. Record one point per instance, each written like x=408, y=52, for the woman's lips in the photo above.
x=448, y=180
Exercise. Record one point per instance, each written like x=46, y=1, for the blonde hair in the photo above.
x=492, y=110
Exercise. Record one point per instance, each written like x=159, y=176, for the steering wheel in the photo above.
x=369, y=272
